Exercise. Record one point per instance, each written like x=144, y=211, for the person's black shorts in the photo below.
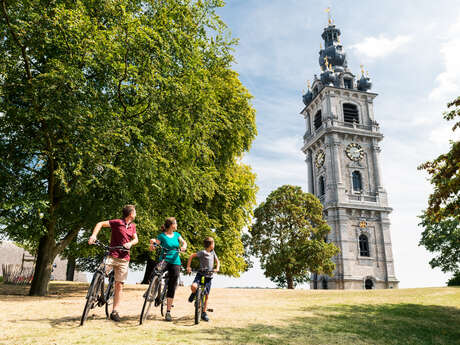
x=207, y=282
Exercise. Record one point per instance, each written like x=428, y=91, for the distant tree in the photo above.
x=106, y=103
x=441, y=219
x=288, y=237
x=455, y=280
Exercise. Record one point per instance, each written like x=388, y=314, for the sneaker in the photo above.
x=192, y=297
x=114, y=316
x=168, y=316
x=204, y=317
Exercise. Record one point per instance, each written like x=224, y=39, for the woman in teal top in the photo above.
x=170, y=241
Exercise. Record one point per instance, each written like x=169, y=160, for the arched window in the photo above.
x=348, y=83
x=363, y=245
x=315, y=281
x=350, y=113
x=369, y=284
x=324, y=284
x=357, y=181
x=321, y=186
x=318, y=120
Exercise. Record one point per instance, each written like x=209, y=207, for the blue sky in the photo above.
x=411, y=50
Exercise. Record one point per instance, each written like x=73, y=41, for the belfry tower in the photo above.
x=341, y=144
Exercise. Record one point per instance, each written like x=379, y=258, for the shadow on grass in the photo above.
x=353, y=324
x=55, y=289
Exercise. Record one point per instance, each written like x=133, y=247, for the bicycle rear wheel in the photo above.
x=152, y=291
x=198, y=306
x=108, y=293
x=91, y=296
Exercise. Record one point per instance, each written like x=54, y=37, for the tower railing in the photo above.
x=335, y=123
x=363, y=197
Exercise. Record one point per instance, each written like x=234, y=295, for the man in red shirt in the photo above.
x=123, y=234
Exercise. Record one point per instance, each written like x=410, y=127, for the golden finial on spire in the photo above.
x=320, y=46
x=362, y=69
x=367, y=73
x=308, y=83
x=326, y=61
x=338, y=39
x=329, y=18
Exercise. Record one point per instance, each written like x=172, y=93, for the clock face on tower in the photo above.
x=354, y=152
x=319, y=159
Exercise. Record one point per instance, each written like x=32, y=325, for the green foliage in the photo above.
x=113, y=102
x=289, y=237
x=455, y=280
x=441, y=219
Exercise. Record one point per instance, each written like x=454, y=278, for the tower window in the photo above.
x=318, y=120
x=369, y=284
x=357, y=181
x=321, y=186
x=363, y=246
x=348, y=83
x=350, y=113
x=324, y=284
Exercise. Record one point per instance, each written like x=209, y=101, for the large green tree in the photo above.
x=441, y=219
x=289, y=237
x=110, y=102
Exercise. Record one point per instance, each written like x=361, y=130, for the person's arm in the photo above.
x=97, y=228
x=183, y=247
x=131, y=243
x=217, y=263
x=189, y=262
x=152, y=241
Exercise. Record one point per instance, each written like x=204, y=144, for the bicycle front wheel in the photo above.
x=91, y=296
x=198, y=301
x=152, y=291
x=108, y=294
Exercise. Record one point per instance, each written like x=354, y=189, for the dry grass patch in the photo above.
x=241, y=316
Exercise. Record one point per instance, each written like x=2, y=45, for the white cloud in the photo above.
x=376, y=47
x=441, y=135
x=448, y=81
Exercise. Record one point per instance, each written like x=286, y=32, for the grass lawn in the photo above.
x=241, y=316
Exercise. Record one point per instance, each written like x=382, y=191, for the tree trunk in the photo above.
x=148, y=270
x=70, y=271
x=43, y=266
x=290, y=282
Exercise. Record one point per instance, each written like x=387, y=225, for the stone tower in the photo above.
x=341, y=144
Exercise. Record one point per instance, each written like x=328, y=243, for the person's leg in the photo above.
x=117, y=295
x=205, y=307
x=193, y=287
x=207, y=290
x=173, y=272
x=120, y=268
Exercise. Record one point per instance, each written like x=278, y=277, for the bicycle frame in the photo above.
x=154, y=292
x=97, y=295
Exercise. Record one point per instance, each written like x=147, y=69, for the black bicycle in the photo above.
x=200, y=295
x=98, y=293
x=158, y=285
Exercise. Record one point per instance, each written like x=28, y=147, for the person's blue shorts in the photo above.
x=207, y=282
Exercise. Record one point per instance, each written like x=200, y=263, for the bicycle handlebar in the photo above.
x=106, y=247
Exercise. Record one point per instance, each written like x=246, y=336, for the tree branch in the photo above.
x=16, y=39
